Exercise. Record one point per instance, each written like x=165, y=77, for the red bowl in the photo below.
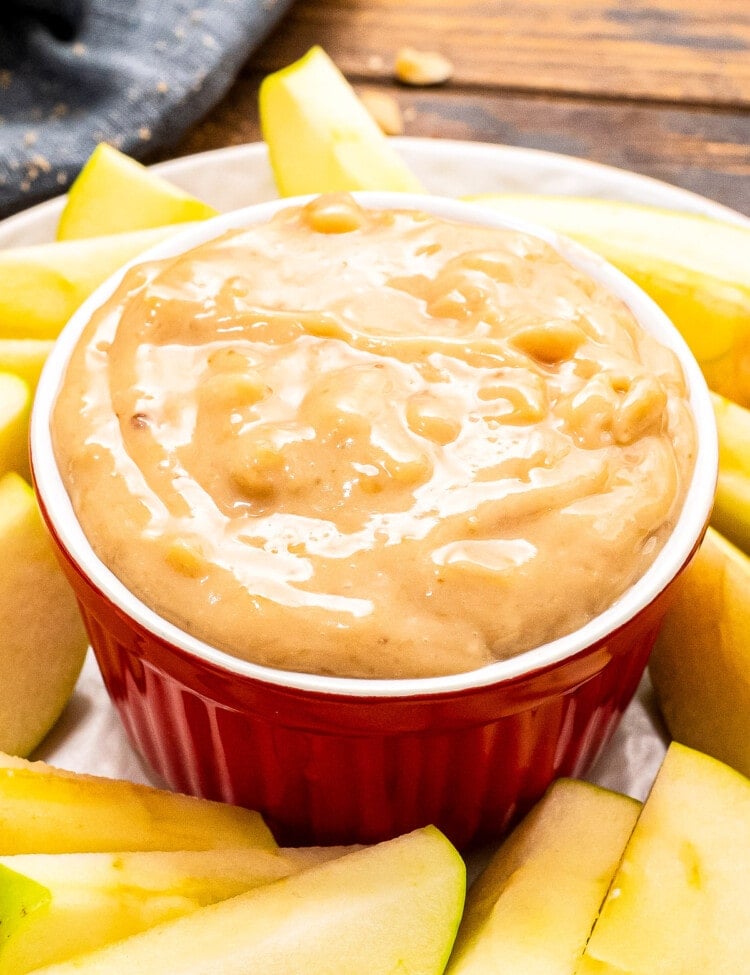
x=339, y=760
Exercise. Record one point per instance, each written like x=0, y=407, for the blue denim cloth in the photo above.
x=136, y=73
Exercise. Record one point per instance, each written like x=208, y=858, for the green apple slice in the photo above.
x=321, y=138
x=15, y=404
x=114, y=194
x=390, y=908
x=42, y=285
x=533, y=907
x=22, y=902
x=678, y=903
x=694, y=267
x=43, y=641
x=48, y=810
x=731, y=514
x=700, y=666
x=25, y=358
x=93, y=899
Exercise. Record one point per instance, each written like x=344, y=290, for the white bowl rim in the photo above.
x=672, y=557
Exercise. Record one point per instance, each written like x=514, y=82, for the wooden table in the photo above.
x=661, y=87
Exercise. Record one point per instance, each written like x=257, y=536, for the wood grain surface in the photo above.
x=666, y=50
x=661, y=87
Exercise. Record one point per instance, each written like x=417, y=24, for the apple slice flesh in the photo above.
x=389, y=908
x=700, y=666
x=48, y=810
x=694, y=267
x=114, y=194
x=25, y=358
x=94, y=899
x=533, y=907
x=42, y=285
x=321, y=138
x=310, y=856
x=43, y=640
x=678, y=902
x=731, y=514
x=15, y=404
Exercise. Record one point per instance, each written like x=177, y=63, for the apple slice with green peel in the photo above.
x=678, y=902
x=533, y=907
x=22, y=901
x=114, y=194
x=25, y=358
x=56, y=906
x=48, y=810
x=15, y=405
x=42, y=285
x=694, y=267
x=700, y=666
x=43, y=640
x=731, y=514
x=88, y=900
x=321, y=138
x=389, y=908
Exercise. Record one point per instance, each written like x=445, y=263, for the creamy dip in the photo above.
x=372, y=444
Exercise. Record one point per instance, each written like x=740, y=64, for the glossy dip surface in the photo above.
x=372, y=443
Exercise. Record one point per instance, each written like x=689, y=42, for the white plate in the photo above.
x=89, y=737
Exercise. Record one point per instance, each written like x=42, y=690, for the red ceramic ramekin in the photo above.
x=335, y=760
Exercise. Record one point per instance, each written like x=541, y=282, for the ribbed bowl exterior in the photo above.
x=327, y=768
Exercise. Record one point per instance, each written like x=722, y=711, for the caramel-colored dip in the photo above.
x=372, y=444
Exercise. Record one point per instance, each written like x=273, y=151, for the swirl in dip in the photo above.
x=372, y=443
